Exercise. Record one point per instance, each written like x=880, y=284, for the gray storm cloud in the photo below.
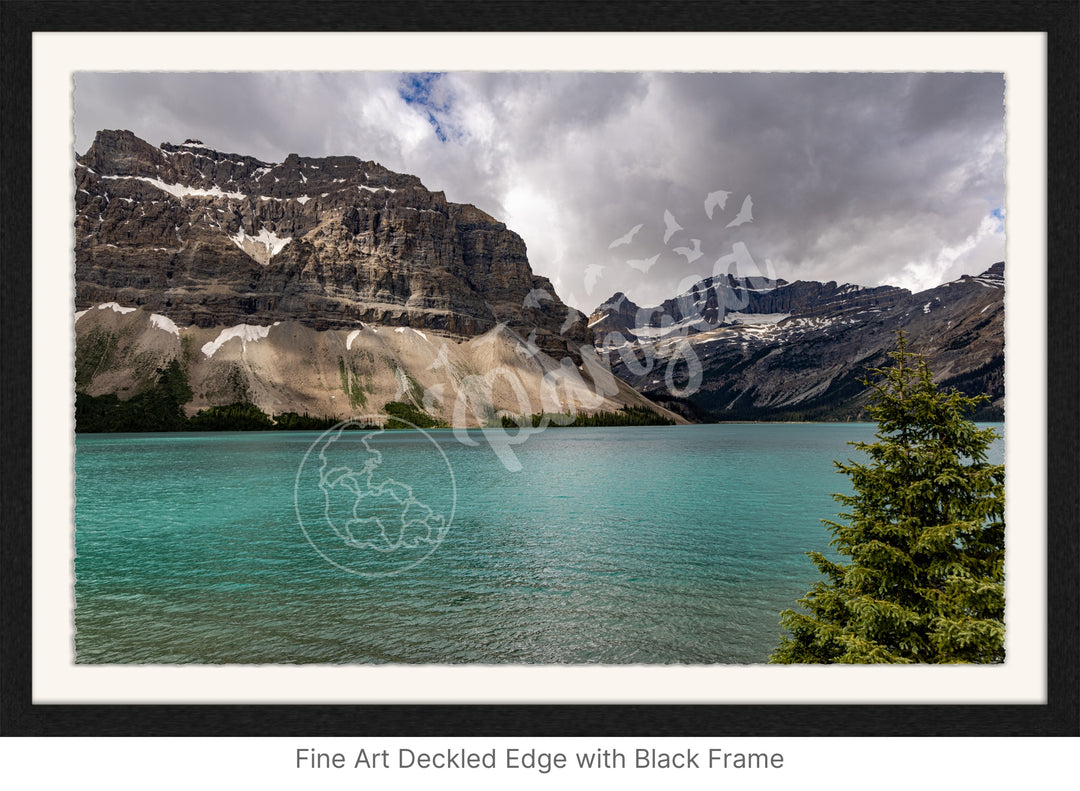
x=862, y=178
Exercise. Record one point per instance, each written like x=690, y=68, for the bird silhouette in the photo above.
x=744, y=215
x=532, y=299
x=433, y=396
x=528, y=347
x=592, y=274
x=691, y=255
x=627, y=238
x=716, y=199
x=442, y=361
x=491, y=335
x=644, y=264
x=670, y=226
x=572, y=315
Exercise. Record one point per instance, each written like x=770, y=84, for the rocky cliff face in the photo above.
x=728, y=299
x=291, y=367
x=747, y=349
x=210, y=239
x=328, y=286
x=334, y=285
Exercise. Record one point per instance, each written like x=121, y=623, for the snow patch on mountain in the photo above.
x=401, y=330
x=755, y=318
x=181, y=191
x=115, y=307
x=245, y=332
x=164, y=323
x=263, y=246
x=597, y=321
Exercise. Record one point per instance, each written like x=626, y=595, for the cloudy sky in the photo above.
x=860, y=178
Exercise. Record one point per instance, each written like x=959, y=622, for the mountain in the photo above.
x=749, y=349
x=730, y=299
x=212, y=238
x=334, y=286
x=323, y=285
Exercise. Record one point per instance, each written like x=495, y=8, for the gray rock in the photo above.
x=799, y=350
x=211, y=239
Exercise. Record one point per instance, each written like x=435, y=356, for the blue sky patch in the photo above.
x=416, y=90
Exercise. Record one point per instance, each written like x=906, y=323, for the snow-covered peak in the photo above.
x=994, y=277
x=990, y=280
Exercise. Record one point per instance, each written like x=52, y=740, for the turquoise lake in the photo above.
x=609, y=545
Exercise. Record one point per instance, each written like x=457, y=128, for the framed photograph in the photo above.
x=638, y=370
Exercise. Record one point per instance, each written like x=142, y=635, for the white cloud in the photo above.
x=951, y=262
x=865, y=178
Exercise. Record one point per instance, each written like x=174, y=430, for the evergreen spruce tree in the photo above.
x=925, y=534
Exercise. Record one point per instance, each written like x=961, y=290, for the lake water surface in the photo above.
x=609, y=545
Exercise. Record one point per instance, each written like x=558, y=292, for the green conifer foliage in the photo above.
x=925, y=534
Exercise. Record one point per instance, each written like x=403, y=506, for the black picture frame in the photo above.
x=1059, y=716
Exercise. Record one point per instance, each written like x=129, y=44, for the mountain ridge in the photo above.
x=329, y=286
x=754, y=350
x=221, y=238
